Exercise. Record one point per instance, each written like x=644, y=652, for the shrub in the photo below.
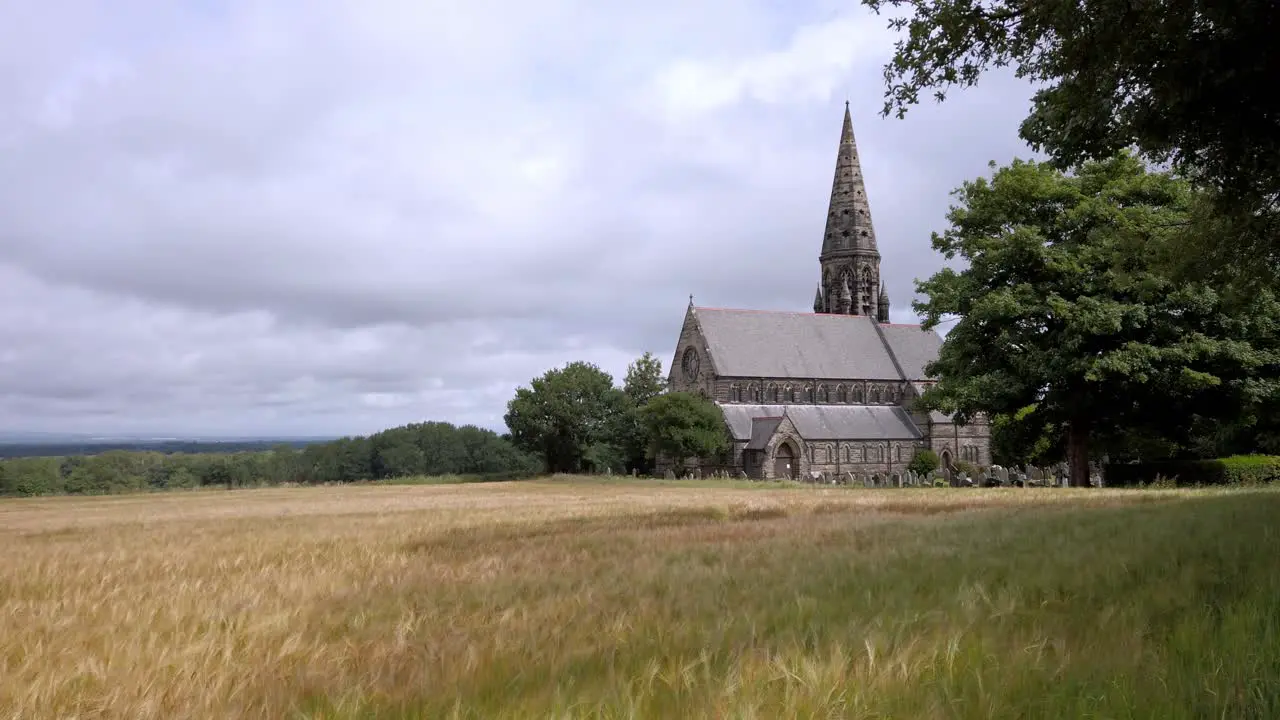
x=965, y=467
x=1235, y=470
x=923, y=462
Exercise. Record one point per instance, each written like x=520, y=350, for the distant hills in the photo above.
x=44, y=444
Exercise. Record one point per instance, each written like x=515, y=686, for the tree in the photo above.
x=1023, y=436
x=643, y=382
x=682, y=425
x=563, y=413
x=1061, y=306
x=1183, y=81
x=924, y=462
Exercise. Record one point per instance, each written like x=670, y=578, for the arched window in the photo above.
x=823, y=394
x=753, y=392
x=808, y=394
x=842, y=395
x=735, y=393
x=857, y=395
x=771, y=394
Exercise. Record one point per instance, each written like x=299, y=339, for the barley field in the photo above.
x=574, y=597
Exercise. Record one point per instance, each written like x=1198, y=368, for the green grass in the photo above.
x=1159, y=611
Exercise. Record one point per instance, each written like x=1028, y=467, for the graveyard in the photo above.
x=610, y=596
x=988, y=477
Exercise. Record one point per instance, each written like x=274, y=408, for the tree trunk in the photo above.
x=1078, y=453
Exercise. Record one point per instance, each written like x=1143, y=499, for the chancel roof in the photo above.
x=753, y=343
x=756, y=423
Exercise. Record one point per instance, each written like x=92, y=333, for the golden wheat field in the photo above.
x=571, y=597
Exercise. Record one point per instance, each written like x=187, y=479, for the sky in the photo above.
x=325, y=217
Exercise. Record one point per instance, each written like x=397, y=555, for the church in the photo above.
x=826, y=392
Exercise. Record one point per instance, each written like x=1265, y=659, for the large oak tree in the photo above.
x=1063, y=307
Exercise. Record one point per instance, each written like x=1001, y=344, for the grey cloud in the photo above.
x=378, y=219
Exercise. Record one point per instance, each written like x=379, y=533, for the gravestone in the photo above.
x=669, y=474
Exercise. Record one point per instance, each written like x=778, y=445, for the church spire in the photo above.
x=848, y=214
x=882, y=308
x=849, y=255
x=819, y=305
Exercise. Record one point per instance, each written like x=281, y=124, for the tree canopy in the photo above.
x=1065, y=320
x=569, y=416
x=683, y=425
x=1184, y=82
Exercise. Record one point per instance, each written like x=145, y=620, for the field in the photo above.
x=574, y=597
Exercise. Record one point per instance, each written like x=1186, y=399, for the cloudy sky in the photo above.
x=331, y=216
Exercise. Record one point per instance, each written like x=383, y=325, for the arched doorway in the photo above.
x=784, y=462
x=946, y=467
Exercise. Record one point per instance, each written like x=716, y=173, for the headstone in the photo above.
x=742, y=475
x=669, y=474
x=895, y=480
x=867, y=481
x=847, y=478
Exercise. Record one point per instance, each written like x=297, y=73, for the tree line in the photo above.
x=571, y=419
x=429, y=448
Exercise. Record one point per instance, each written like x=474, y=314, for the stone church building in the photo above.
x=829, y=391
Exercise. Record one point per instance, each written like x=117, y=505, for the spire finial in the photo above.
x=691, y=299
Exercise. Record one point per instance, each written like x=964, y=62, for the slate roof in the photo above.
x=913, y=348
x=821, y=422
x=753, y=343
x=762, y=428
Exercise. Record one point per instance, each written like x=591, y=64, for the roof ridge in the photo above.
x=798, y=312
x=888, y=348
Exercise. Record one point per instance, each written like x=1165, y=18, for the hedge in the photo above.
x=1235, y=470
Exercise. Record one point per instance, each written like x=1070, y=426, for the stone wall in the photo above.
x=970, y=443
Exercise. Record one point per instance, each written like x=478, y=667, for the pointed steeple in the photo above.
x=849, y=225
x=818, y=304
x=882, y=308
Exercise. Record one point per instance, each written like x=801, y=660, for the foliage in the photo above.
x=1186, y=82
x=683, y=425
x=1022, y=437
x=923, y=462
x=1060, y=306
x=564, y=413
x=433, y=448
x=1235, y=470
x=642, y=383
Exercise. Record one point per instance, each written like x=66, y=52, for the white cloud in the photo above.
x=813, y=67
